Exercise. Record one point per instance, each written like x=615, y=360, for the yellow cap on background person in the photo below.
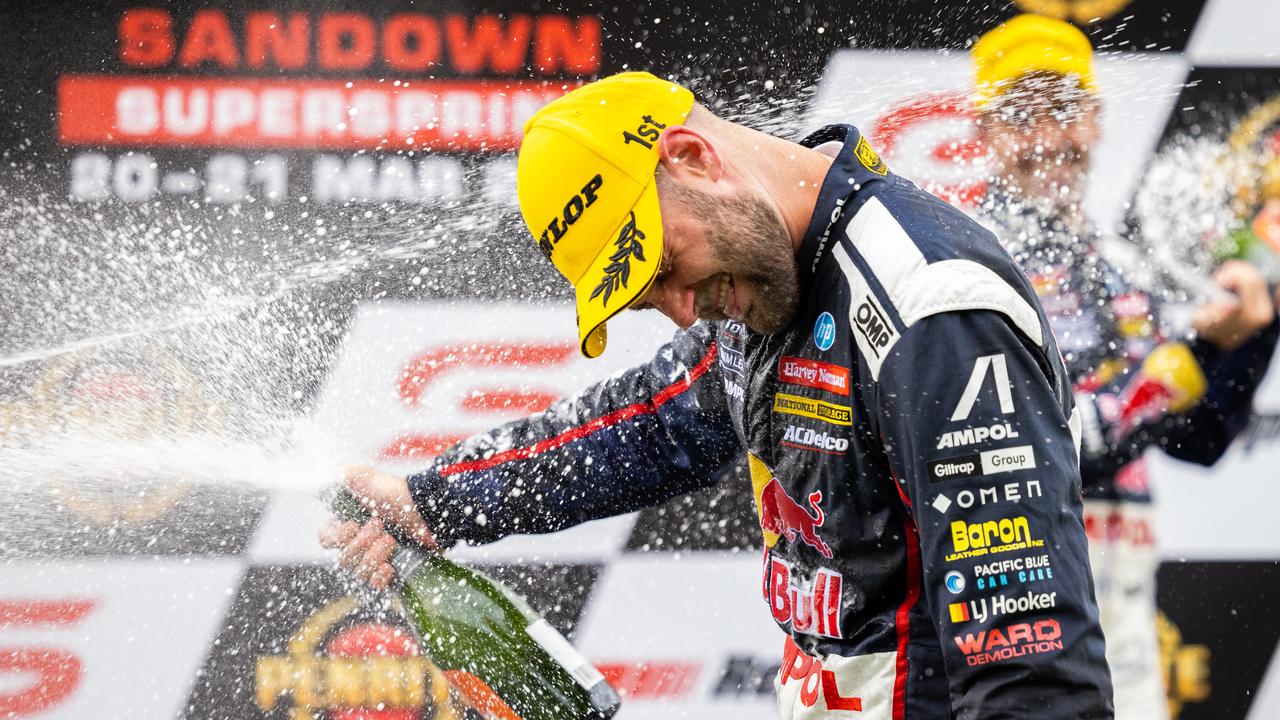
x=585, y=181
x=1026, y=44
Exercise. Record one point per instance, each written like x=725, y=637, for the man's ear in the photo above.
x=687, y=154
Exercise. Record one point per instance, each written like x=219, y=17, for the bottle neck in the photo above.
x=405, y=561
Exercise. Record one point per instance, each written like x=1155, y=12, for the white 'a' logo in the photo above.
x=1004, y=390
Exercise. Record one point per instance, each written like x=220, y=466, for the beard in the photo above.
x=752, y=245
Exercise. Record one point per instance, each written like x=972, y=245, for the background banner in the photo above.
x=247, y=231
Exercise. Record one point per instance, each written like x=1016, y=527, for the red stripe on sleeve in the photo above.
x=592, y=426
x=902, y=620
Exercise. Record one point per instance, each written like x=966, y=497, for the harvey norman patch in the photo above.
x=816, y=409
x=814, y=373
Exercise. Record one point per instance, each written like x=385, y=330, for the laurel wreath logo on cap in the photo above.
x=617, y=272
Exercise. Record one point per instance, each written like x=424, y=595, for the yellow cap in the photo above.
x=1026, y=44
x=585, y=180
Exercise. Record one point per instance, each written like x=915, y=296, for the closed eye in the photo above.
x=664, y=272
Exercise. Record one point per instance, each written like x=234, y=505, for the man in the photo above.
x=884, y=365
x=1039, y=113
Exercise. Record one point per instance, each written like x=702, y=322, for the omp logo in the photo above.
x=814, y=373
x=1017, y=640
x=569, y=215
x=975, y=435
x=870, y=320
x=810, y=439
x=816, y=409
x=995, y=365
x=990, y=537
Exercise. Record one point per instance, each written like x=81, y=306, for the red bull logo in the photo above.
x=813, y=610
x=784, y=517
x=780, y=515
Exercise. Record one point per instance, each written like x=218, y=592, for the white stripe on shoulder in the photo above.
x=873, y=331
x=919, y=289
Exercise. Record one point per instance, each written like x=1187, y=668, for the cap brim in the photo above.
x=622, y=272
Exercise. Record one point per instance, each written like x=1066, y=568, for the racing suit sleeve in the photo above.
x=634, y=440
x=1201, y=434
x=974, y=419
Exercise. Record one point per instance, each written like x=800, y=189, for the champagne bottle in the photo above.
x=506, y=661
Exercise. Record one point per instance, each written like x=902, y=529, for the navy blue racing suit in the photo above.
x=913, y=446
x=1105, y=328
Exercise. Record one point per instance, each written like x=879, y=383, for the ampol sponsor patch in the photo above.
x=812, y=688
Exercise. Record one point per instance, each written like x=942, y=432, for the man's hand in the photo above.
x=1228, y=322
x=366, y=550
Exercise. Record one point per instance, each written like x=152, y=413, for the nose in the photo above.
x=677, y=303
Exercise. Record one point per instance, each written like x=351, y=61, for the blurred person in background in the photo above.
x=1039, y=113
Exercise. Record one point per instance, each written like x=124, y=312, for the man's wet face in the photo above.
x=724, y=257
x=1041, y=130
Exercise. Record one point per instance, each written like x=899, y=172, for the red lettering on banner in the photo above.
x=209, y=40
x=346, y=41
x=57, y=671
x=284, y=43
x=814, y=374
x=651, y=679
x=424, y=370
x=954, y=168
x=559, y=44
x=19, y=613
x=498, y=399
x=1115, y=526
x=798, y=665
x=420, y=372
x=146, y=37
x=486, y=42
x=422, y=53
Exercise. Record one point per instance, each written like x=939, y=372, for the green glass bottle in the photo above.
x=505, y=660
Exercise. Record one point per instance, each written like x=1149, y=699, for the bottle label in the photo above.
x=562, y=652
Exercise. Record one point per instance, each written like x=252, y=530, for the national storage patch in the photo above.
x=816, y=409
